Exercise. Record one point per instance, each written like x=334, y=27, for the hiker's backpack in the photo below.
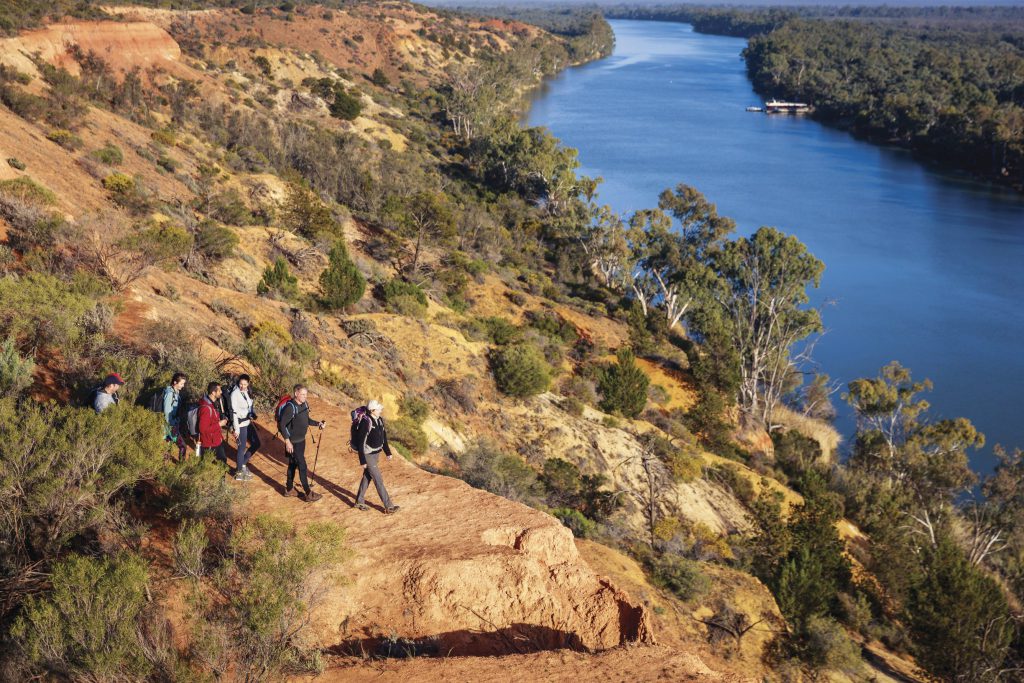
x=156, y=401
x=90, y=398
x=281, y=403
x=229, y=410
x=192, y=420
x=357, y=416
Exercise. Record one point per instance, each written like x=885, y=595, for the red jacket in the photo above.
x=209, y=424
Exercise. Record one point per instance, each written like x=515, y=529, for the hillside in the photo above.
x=178, y=185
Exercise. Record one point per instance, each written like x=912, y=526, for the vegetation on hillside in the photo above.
x=473, y=192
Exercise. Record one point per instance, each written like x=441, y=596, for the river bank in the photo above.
x=921, y=266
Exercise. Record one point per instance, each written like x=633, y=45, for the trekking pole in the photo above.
x=317, y=456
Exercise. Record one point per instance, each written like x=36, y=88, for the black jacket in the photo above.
x=374, y=437
x=294, y=421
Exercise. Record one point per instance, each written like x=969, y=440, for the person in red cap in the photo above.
x=105, y=395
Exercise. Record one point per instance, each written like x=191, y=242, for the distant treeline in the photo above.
x=742, y=23
x=588, y=32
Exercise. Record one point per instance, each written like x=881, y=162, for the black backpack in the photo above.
x=225, y=402
x=357, y=416
x=156, y=401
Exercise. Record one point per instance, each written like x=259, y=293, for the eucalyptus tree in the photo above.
x=761, y=298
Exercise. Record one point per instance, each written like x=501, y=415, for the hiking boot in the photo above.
x=313, y=497
x=291, y=493
x=239, y=475
x=246, y=473
x=392, y=510
x=362, y=506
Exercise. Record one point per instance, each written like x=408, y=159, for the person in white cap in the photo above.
x=372, y=438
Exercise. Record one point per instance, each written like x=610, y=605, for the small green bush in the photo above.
x=580, y=526
x=215, y=241
x=341, y=283
x=729, y=476
x=407, y=431
x=278, y=282
x=553, y=325
x=109, y=154
x=681, y=576
x=190, y=544
x=485, y=466
x=379, y=78
x=520, y=370
x=164, y=136
x=197, y=489
x=85, y=626
x=623, y=386
x=414, y=407
x=16, y=163
x=27, y=190
x=65, y=138
x=404, y=298
x=15, y=370
x=345, y=106
x=119, y=183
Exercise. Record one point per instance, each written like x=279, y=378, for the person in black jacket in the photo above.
x=293, y=422
x=372, y=438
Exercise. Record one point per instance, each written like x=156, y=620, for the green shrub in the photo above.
x=345, y=106
x=553, y=325
x=275, y=575
x=119, y=183
x=520, y=370
x=562, y=481
x=485, y=466
x=27, y=190
x=15, y=370
x=623, y=386
x=404, y=298
x=275, y=358
x=126, y=192
x=580, y=526
x=500, y=331
x=379, y=78
x=109, y=154
x=407, y=431
x=681, y=576
x=341, y=283
x=729, y=476
x=164, y=136
x=16, y=163
x=304, y=213
x=414, y=407
x=65, y=138
x=229, y=207
x=197, y=489
x=278, y=282
x=43, y=309
x=215, y=241
x=827, y=646
x=190, y=544
x=85, y=626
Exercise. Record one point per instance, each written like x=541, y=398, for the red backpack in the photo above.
x=281, y=402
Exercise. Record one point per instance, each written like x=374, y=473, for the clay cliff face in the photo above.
x=457, y=570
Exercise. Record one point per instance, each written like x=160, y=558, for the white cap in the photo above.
x=374, y=405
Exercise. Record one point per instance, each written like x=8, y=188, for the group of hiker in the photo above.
x=207, y=421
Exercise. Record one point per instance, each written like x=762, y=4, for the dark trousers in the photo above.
x=247, y=434
x=218, y=452
x=372, y=472
x=297, y=461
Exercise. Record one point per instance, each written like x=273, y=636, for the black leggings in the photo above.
x=218, y=452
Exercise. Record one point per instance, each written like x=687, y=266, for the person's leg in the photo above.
x=373, y=472
x=292, y=467
x=300, y=462
x=254, y=442
x=241, y=454
x=364, y=483
x=221, y=453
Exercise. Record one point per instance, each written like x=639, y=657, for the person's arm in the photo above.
x=387, y=448
x=169, y=405
x=238, y=408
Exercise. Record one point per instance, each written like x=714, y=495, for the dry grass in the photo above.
x=822, y=432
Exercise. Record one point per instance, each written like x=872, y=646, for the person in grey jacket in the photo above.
x=105, y=395
x=242, y=414
x=372, y=437
x=172, y=416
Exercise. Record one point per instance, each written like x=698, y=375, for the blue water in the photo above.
x=921, y=266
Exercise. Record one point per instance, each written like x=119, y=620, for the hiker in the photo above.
x=242, y=415
x=210, y=423
x=105, y=395
x=172, y=417
x=370, y=437
x=293, y=421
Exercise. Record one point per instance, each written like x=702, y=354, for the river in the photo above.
x=921, y=266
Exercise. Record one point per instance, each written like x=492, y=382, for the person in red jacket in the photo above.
x=211, y=422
